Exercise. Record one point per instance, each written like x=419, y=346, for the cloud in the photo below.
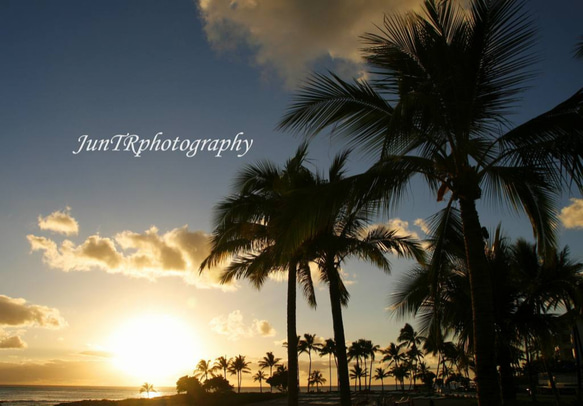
x=60, y=222
x=572, y=215
x=402, y=228
x=12, y=342
x=151, y=254
x=234, y=327
x=290, y=36
x=19, y=313
x=423, y=226
x=96, y=353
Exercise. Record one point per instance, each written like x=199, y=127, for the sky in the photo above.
x=108, y=188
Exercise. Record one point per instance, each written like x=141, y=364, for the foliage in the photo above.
x=191, y=386
x=279, y=379
x=217, y=384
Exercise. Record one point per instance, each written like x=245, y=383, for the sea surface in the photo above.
x=52, y=395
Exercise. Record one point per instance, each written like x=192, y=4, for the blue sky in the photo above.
x=190, y=70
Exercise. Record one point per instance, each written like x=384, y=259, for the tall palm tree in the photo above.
x=260, y=376
x=451, y=76
x=252, y=229
x=329, y=348
x=343, y=230
x=203, y=369
x=239, y=367
x=269, y=361
x=222, y=364
x=147, y=387
x=380, y=375
x=307, y=345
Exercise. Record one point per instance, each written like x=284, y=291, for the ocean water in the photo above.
x=52, y=395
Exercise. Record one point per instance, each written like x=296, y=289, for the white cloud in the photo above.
x=423, y=226
x=234, y=327
x=572, y=215
x=16, y=312
x=60, y=222
x=289, y=36
x=151, y=254
x=401, y=228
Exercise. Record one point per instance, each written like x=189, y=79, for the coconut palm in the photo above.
x=356, y=373
x=343, y=231
x=307, y=345
x=147, y=387
x=252, y=229
x=380, y=375
x=269, y=361
x=450, y=76
x=260, y=376
x=316, y=378
x=329, y=348
x=221, y=364
x=203, y=369
x=239, y=367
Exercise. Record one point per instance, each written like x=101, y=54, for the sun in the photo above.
x=155, y=348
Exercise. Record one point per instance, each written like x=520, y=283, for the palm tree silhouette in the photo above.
x=239, y=367
x=269, y=361
x=380, y=375
x=260, y=376
x=356, y=373
x=221, y=364
x=252, y=229
x=203, y=369
x=343, y=230
x=307, y=345
x=452, y=76
x=147, y=387
x=316, y=378
x=329, y=348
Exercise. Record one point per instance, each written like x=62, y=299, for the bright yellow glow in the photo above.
x=155, y=349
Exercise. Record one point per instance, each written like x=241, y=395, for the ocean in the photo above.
x=20, y=395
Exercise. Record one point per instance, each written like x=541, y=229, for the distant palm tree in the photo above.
x=221, y=364
x=203, y=369
x=356, y=373
x=380, y=375
x=444, y=80
x=260, y=376
x=147, y=387
x=269, y=361
x=329, y=348
x=239, y=367
x=370, y=351
x=317, y=379
x=400, y=372
x=307, y=345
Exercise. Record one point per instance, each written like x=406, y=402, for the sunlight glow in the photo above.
x=155, y=348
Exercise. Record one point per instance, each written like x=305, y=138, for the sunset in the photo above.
x=194, y=180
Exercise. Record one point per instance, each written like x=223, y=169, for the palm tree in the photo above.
x=356, y=373
x=221, y=364
x=147, y=387
x=252, y=229
x=307, y=345
x=356, y=352
x=239, y=367
x=269, y=361
x=329, y=348
x=400, y=372
x=316, y=378
x=380, y=375
x=343, y=230
x=370, y=351
x=452, y=75
x=260, y=376
x=203, y=368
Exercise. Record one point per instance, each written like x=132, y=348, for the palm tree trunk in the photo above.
x=482, y=306
x=506, y=373
x=531, y=384
x=292, y=339
x=338, y=324
x=551, y=380
x=309, y=368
